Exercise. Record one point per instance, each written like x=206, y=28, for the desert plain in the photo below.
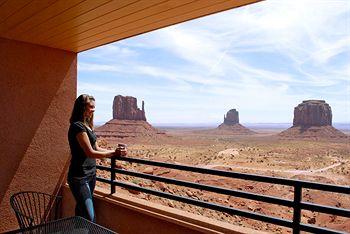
x=323, y=160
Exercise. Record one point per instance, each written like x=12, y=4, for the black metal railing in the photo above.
x=297, y=204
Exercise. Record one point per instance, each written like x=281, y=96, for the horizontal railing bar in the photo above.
x=319, y=230
x=229, y=210
x=104, y=168
x=325, y=209
x=244, y=176
x=252, y=196
x=324, y=187
x=304, y=205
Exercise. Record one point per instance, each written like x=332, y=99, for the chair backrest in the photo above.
x=34, y=208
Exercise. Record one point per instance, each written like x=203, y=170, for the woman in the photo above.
x=84, y=151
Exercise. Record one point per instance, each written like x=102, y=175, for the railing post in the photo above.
x=297, y=209
x=112, y=175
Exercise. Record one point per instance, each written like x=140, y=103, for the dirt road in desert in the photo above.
x=312, y=171
x=304, y=172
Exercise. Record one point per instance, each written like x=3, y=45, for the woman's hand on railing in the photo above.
x=121, y=150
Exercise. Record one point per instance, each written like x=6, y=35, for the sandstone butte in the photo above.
x=312, y=119
x=128, y=120
x=231, y=125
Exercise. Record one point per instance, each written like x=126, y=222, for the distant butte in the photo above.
x=312, y=119
x=128, y=120
x=125, y=108
x=232, y=126
x=231, y=118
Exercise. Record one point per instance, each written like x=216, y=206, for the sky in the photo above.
x=262, y=59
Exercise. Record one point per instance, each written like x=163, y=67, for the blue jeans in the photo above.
x=83, y=190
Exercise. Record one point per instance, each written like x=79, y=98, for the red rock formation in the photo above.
x=312, y=113
x=312, y=132
x=230, y=126
x=231, y=117
x=125, y=108
x=128, y=121
x=235, y=129
x=116, y=128
x=312, y=119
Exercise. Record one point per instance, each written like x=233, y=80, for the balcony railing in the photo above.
x=297, y=204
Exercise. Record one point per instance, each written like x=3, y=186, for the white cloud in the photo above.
x=324, y=54
x=220, y=60
x=111, y=52
x=92, y=67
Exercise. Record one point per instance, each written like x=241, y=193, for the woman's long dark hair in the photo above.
x=79, y=108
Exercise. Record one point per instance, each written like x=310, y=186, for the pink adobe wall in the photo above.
x=38, y=88
x=126, y=214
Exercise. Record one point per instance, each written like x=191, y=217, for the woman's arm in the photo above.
x=118, y=151
x=98, y=148
x=84, y=143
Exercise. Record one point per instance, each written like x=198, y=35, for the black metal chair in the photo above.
x=34, y=208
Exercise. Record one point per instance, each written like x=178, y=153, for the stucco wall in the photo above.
x=125, y=214
x=38, y=87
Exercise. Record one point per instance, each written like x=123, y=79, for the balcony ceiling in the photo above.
x=78, y=25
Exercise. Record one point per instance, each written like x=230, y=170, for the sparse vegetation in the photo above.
x=321, y=161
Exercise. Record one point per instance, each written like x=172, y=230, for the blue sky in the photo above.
x=262, y=59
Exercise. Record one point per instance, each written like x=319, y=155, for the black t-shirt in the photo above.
x=81, y=165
